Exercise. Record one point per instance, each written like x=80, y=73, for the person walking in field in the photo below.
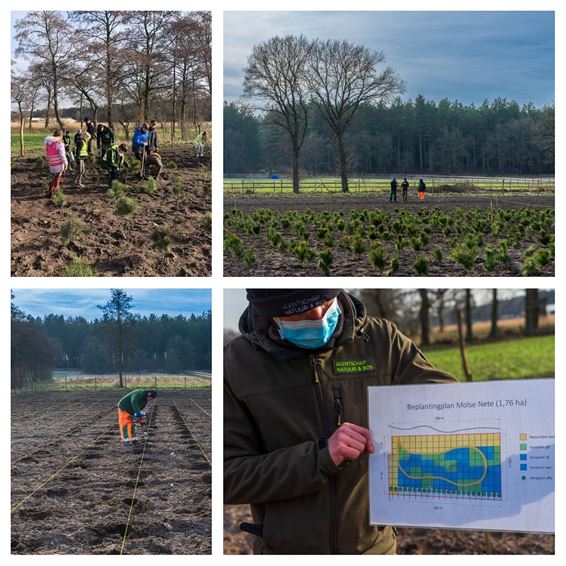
x=393, y=191
x=422, y=190
x=199, y=142
x=113, y=160
x=130, y=409
x=296, y=435
x=405, y=189
x=81, y=156
x=56, y=159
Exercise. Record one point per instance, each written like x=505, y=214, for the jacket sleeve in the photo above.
x=411, y=365
x=253, y=476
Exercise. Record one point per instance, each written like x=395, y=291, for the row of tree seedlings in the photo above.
x=133, y=66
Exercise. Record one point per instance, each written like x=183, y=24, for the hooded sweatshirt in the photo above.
x=282, y=403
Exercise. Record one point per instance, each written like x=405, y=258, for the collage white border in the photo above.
x=217, y=283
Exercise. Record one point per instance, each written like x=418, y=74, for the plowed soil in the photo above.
x=411, y=541
x=80, y=481
x=112, y=245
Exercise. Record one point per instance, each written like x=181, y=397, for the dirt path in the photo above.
x=112, y=245
x=84, y=508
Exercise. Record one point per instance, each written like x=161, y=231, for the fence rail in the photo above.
x=363, y=185
x=74, y=382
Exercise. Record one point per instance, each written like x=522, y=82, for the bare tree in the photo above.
x=276, y=74
x=147, y=67
x=440, y=305
x=341, y=77
x=105, y=35
x=424, y=317
x=468, y=305
x=494, y=314
x=532, y=312
x=44, y=37
x=19, y=96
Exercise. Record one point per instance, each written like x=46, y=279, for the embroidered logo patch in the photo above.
x=353, y=366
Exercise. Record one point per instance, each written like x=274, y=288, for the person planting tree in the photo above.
x=130, y=411
x=113, y=160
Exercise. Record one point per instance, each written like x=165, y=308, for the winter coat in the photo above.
x=139, y=139
x=282, y=403
x=55, y=154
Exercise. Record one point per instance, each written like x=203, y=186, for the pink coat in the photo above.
x=55, y=153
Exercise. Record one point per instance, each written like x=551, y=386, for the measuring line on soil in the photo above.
x=68, y=433
x=205, y=412
x=57, y=472
x=192, y=435
x=136, y=484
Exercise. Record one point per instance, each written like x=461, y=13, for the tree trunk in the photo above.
x=21, y=129
x=343, y=163
x=48, y=109
x=296, y=180
x=494, y=315
x=469, y=323
x=532, y=312
x=462, y=344
x=424, y=317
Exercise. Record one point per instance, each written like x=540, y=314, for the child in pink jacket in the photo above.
x=56, y=159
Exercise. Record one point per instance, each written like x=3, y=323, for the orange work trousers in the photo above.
x=126, y=424
x=422, y=195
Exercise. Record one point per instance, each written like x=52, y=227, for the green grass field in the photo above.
x=33, y=141
x=511, y=359
x=331, y=185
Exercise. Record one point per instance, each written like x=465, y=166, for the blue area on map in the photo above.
x=456, y=468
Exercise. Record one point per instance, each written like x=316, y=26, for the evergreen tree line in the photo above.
x=151, y=343
x=403, y=137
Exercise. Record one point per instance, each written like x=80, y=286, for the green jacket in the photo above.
x=282, y=402
x=134, y=401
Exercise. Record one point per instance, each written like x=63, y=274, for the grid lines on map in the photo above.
x=446, y=465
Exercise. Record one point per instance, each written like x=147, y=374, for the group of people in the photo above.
x=405, y=190
x=61, y=156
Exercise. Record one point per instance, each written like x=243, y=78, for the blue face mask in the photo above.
x=311, y=334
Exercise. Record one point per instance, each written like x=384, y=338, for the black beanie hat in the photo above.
x=287, y=302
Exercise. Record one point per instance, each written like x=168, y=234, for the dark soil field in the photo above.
x=411, y=541
x=112, y=245
x=73, y=481
x=270, y=261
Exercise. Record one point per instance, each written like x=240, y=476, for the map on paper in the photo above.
x=476, y=455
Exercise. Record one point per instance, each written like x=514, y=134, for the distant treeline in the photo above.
x=151, y=343
x=419, y=136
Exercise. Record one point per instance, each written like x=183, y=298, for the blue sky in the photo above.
x=465, y=56
x=83, y=302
